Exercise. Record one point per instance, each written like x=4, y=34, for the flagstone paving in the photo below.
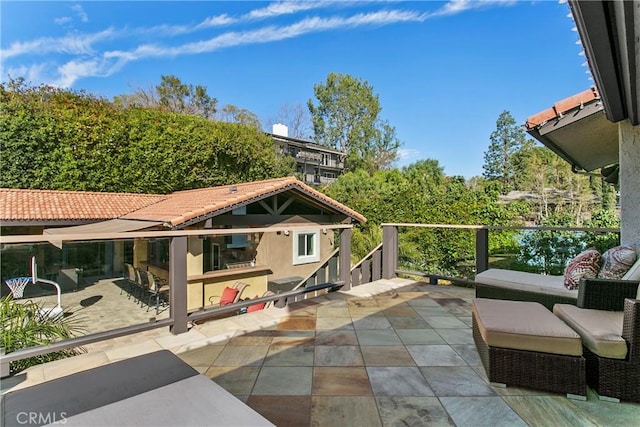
x=391, y=352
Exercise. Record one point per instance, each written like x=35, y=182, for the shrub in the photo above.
x=24, y=326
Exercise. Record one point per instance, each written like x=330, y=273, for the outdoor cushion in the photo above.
x=228, y=296
x=524, y=326
x=634, y=272
x=256, y=307
x=523, y=281
x=600, y=330
x=585, y=264
x=617, y=261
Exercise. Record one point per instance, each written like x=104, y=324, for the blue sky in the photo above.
x=443, y=71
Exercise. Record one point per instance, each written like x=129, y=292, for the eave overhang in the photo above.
x=610, y=34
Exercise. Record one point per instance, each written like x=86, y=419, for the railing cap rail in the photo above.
x=158, y=234
x=503, y=227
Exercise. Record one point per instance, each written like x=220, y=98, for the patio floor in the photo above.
x=391, y=352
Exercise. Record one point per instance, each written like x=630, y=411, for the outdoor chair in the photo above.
x=230, y=295
x=141, y=284
x=156, y=288
x=610, y=332
x=129, y=276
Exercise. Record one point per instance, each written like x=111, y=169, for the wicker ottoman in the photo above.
x=524, y=344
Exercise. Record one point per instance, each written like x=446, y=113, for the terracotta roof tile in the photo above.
x=561, y=107
x=176, y=208
x=33, y=205
x=183, y=206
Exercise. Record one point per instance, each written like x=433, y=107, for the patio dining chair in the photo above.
x=129, y=276
x=156, y=288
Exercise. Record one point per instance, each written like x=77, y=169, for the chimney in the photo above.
x=280, y=129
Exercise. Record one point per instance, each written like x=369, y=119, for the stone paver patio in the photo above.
x=392, y=352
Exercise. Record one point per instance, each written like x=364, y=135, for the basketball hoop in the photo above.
x=17, y=285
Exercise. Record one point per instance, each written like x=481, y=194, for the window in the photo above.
x=306, y=247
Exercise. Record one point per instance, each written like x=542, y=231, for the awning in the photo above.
x=581, y=133
x=111, y=226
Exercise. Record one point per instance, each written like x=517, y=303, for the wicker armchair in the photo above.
x=617, y=378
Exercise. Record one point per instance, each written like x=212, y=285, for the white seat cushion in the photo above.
x=523, y=281
x=601, y=330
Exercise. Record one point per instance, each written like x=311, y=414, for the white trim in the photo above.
x=315, y=257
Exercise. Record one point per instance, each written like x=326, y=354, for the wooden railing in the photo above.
x=369, y=269
x=390, y=247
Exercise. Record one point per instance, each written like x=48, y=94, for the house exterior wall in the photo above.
x=629, y=183
x=195, y=290
x=315, y=165
x=276, y=251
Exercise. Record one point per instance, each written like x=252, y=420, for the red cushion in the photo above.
x=228, y=296
x=256, y=307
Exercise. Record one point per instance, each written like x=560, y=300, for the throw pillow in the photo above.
x=228, y=296
x=256, y=307
x=585, y=264
x=617, y=261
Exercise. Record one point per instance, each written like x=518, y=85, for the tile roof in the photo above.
x=52, y=205
x=563, y=106
x=184, y=206
x=176, y=209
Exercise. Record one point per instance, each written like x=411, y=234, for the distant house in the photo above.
x=213, y=261
x=315, y=164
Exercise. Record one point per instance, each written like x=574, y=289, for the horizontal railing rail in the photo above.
x=179, y=315
x=328, y=271
x=280, y=300
x=84, y=340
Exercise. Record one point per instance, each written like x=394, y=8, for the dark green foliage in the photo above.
x=500, y=158
x=57, y=139
x=421, y=193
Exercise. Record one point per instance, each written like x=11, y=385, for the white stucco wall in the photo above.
x=629, y=183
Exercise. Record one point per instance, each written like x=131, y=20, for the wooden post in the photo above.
x=178, y=282
x=482, y=250
x=389, y=251
x=345, y=258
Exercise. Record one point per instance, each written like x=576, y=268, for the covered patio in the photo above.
x=390, y=352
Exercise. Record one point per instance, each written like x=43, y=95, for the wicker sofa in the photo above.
x=606, y=317
x=547, y=290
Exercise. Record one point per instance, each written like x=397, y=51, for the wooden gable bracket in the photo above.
x=274, y=209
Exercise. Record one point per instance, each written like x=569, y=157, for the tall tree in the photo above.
x=172, y=95
x=506, y=141
x=346, y=117
x=232, y=114
x=297, y=119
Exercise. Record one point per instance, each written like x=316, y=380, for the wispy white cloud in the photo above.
x=454, y=7
x=75, y=44
x=268, y=34
x=82, y=15
x=89, y=61
x=408, y=153
x=62, y=20
x=285, y=8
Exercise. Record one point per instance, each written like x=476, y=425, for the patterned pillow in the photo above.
x=616, y=262
x=586, y=264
